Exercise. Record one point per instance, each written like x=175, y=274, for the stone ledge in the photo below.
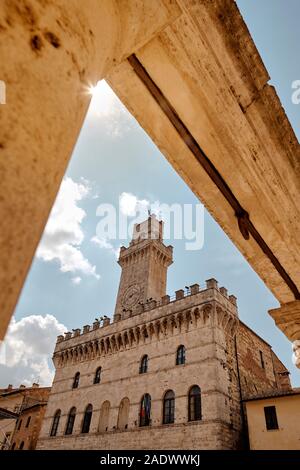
x=287, y=318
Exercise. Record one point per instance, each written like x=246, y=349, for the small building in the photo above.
x=274, y=420
x=21, y=413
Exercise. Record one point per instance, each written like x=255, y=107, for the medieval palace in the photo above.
x=166, y=373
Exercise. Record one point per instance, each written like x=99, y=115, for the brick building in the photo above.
x=21, y=413
x=166, y=373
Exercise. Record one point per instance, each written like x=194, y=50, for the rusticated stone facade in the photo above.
x=217, y=359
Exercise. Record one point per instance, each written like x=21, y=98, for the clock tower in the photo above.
x=144, y=267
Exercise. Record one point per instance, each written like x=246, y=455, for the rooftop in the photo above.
x=273, y=394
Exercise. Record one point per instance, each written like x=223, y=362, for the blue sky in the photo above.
x=73, y=279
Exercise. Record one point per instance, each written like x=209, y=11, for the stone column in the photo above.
x=50, y=53
x=287, y=318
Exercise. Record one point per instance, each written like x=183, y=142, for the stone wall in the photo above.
x=256, y=363
x=204, y=435
x=222, y=358
x=200, y=322
x=28, y=433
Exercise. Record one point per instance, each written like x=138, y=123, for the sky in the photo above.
x=74, y=276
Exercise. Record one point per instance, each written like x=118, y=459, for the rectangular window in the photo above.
x=271, y=417
x=28, y=421
x=262, y=362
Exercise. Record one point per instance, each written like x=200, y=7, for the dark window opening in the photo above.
x=19, y=424
x=55, y=423
x=97, y=378
x=87, y=419
x=76, y=380
x=180, y=356
x=145, y=410
x=71, y=420
x=262, y=362
x=194, y=413
x=169, y=407
x=271, y=417
x=144, y=365
x=21, y=445
x=28, y=421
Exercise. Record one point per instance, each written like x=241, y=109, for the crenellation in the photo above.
x=194, y=289
x=179, y=294
x=224, y=291
x=211, y=284
x=165, y=300
x=183, y=299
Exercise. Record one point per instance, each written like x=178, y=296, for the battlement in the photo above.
x=152, y=304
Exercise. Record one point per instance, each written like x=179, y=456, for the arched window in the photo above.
x=145, y=410
x=144, y=365
x=71, y=420
x=195, y=403
x=21, y=445
x=97, y=377
x=123, y=414
x=13, y=446
x=104, y=416
x=180, y=356
x=76, y=380
x=169, y=407
x=87, y=419
x=55, y=423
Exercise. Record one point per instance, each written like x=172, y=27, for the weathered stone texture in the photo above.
x=221, y=357
x=254, y=377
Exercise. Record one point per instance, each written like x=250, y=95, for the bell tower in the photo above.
x=144, y=266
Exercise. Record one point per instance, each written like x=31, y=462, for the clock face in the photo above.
x=131, y=296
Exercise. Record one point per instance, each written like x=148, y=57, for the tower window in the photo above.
x=21, y=446
x=180, y=356
x=194, y=411
x=262, y=362
x=71, y=420
x=76, y=380
x=169, y=407
x=271, y=417
x=145, y=410
x=97, y=378
x=144, y=365
x=55, y=423
x=19, y=424
x=87, y=419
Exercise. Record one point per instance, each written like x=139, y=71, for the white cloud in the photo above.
x=76, y=280
x=27, y=349
x=63, y=234
x=106, y=244
x=106, y=109
x=130, y=204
